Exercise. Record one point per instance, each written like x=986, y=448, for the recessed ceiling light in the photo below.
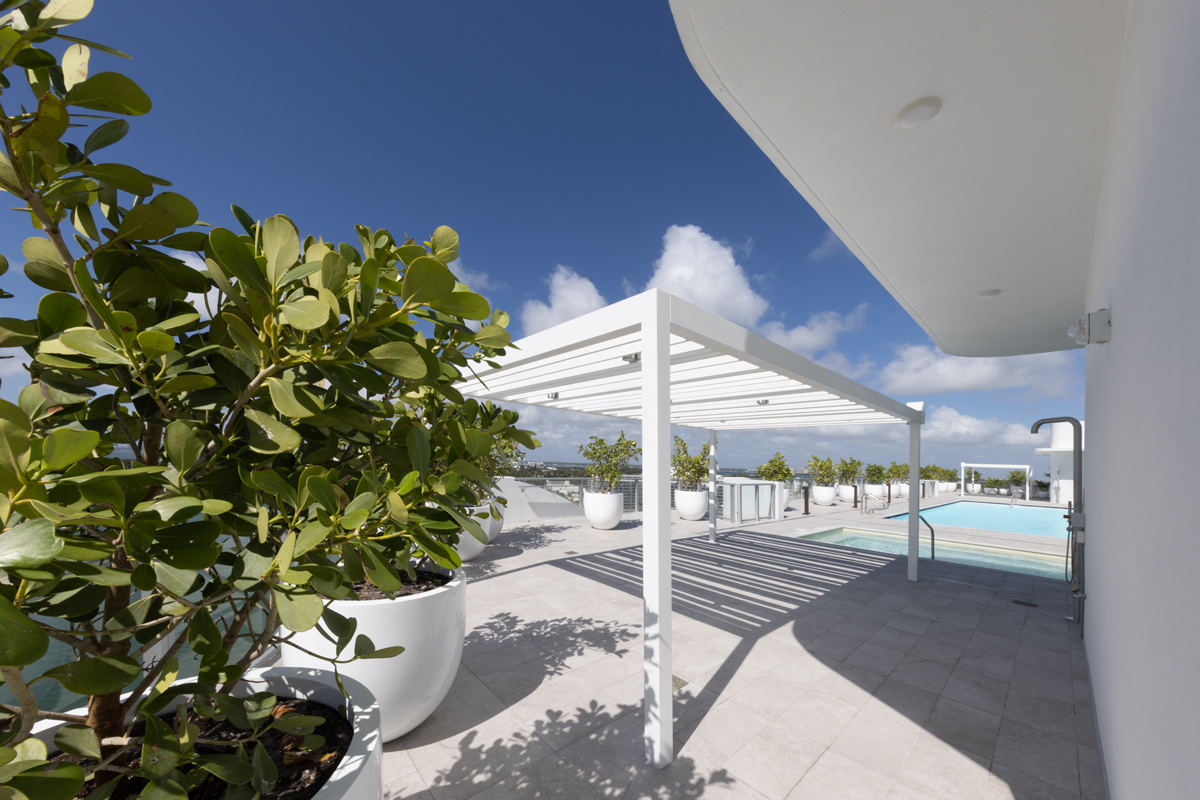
x=987, y=293
x=917, y=113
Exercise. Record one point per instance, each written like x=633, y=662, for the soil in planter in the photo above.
x=301, y=773
x=426, y=582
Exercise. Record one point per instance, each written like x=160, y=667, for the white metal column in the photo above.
x=914, y=498
x=712, y=486
x=656, y=528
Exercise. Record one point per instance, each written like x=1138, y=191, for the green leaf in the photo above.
x=299, y=609
x=120, y=176
x=59, y=782
x=31, y=58
x=184, y=446
x=234, y=257
x=111, y=92
x=418, y=449
x=92, y=344
x=182, y=211
x=492, y=336
x=426, y=280
x=59, y=311
x=187, y=383
x=322, y=491
x=445, y=242
x=49, y=276
x=146, y=222
x=78, y=740
x=22, y=641
x=14, y=438
x=96, y=675
x=64, y=446
x=75, y=65
x=250, y=345
x=265, y=772
x=155, y=343
x=281, y=246
x=106, y=135
x=384, y=652
x=269, y=435
x=20, y=332
x=178, y=507
x=398, y=358
x=467, y=305
x=229, y=768
x=306, y=314
x=180, y=581
x=47, y=126
x=30, y=544
x=292, y=400
x=57, y=13
x=203, y=635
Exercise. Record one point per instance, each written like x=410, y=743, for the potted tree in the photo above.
x=281, y=452
x=1042, y=488
x=691, y=475
x=992, y=486
x=824, y=476
x=849, y=471
x=604, y=503
x=778, y=472
x=973, y=478
x=490, y=511
x=875, y=475
x=897, y=475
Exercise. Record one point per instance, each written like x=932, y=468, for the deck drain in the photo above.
x=677, y=683
x=1025, y=603
x=571, y=553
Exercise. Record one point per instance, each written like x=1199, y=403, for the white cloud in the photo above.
x=701, y=270
x=571, y=295
x=945, y=425
x=839, y=363
x=478, y=281
x=922, y=370
x=819, y=333
x=829, y=247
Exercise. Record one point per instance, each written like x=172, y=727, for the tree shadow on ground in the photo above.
x=511, y=544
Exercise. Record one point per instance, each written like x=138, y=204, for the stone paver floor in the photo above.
x=807, y=670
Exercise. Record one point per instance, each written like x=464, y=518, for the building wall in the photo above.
x=1143, y=393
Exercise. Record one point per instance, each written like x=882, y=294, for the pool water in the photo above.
x=990, y=557
x=1035, y=520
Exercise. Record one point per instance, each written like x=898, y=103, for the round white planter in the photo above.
x=691, y=505
x=899, y=490
x=603, y=510
x=824, y=495
x=845, y=492
x=1003, y=490
x=360, y=773
x=783, y=491
x=877, y=489
x=468, y=547
x=973, y=488
x=430, y=626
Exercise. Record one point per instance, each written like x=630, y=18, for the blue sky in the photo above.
x=579, y=157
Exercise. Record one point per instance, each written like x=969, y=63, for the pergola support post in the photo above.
x=712, y=486
x=656, y=528
x=914, y=499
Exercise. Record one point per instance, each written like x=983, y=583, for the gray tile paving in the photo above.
x=810, y=671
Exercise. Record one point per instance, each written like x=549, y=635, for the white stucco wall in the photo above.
x=1143, y=390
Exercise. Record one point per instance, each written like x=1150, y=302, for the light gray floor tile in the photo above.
x=928, y=675
x=774, y=761
x=1041, y=712
x=977, y=690
x=1050, y=757
x=835, y=777
x=964, y=727
x=942, y=772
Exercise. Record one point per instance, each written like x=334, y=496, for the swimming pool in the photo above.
x=1039, y=521
x=990, y=557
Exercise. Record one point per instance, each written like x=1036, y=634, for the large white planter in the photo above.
x=603, y=510
x=877, y=489
x=783, y=491
x=845, y=492
x=360, y=773
x=899, y=490
x=973, y=488
x=430, y=626
x=824, y=495
x=691, y=505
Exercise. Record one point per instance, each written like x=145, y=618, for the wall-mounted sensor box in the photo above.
x=1093, y=328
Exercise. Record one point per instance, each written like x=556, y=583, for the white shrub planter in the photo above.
x=1003, y=490
x=603, y=510
x=492, y=527
x=430, y=626
x=899, y=490
x=360, y=773
x=973, y=488
x=783, y=491
x=845, y=492
x=877, y=489
x=824, y=495
x=691, y=505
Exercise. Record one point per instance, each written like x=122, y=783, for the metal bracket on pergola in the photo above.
x=661, y=360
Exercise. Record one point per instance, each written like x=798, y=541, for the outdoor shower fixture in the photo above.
x=1076, y=520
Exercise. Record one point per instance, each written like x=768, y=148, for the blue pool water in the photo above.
x=997, y=517
x=990, y=557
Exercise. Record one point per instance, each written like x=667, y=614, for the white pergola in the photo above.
x=658, y=359
x=965, y=465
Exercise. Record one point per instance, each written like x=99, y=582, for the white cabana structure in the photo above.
x=658, y=359
x=965, y=465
